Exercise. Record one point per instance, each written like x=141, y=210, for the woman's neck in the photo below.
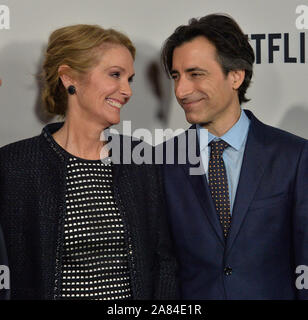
x=81, y=138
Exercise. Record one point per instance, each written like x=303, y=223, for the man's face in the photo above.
x=206, y=94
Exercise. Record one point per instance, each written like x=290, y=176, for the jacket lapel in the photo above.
x=254, y=162
x=200, y=186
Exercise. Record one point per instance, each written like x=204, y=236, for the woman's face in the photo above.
x=104, y=90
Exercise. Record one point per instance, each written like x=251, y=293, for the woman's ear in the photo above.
x=65, y=74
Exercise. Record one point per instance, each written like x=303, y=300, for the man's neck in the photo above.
x=222, y=125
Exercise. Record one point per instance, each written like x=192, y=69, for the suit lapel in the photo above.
x=254, y=162
x=201, y=189
x=200, y=186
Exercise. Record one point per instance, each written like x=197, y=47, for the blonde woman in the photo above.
x=77, y=227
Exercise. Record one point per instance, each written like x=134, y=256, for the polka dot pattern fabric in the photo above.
x=94, y=259
x=218, y=183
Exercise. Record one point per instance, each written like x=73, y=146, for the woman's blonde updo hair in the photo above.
x=75, y=46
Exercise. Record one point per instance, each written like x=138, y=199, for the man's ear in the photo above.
x=237, y=78
x=66, y=75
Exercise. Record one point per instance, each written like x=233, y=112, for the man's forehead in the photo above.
x=193, y=61
x=194, y=51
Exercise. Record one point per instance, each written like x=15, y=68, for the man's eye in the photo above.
x=174, y=77
x=195, y=75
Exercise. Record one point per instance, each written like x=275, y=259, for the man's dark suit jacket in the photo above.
x=268, y=237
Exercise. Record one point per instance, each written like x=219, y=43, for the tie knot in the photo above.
x=218, y=147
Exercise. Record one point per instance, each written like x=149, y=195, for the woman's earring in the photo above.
x=71, y=90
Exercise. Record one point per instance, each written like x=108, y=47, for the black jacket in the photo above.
x=32, y=209
x=4, y=271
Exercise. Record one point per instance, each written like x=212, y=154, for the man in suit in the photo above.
x=241, y=228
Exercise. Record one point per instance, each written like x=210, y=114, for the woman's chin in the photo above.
x=113, y=121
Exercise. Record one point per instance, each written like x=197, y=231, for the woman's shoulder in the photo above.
x=20, y=145
x=19, y=150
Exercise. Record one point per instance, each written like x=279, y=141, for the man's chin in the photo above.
x=205, y=124
x=193, y=120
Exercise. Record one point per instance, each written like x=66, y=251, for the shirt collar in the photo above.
x=235, y=136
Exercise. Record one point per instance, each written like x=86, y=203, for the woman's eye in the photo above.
x=115, y=74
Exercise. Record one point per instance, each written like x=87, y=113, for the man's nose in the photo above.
x=183, y=88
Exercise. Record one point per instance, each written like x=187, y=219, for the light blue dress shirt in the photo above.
x=233, y=155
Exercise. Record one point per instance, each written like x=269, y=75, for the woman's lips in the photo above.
x=114, y=103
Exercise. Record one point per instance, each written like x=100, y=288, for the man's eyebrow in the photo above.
x=190, y=70
x=196, y=69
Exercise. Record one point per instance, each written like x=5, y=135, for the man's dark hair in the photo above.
x=233, y=49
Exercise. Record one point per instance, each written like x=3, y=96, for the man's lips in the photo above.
x=189, y=104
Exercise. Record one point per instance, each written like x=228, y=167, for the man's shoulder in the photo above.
x=281, y=136
x=181, y=149
x=273, y=135
x=184, y=137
